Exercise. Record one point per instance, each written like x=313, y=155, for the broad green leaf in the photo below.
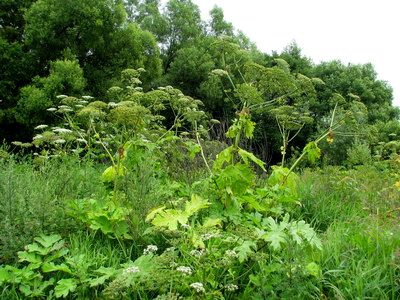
x=276, y=234
x=109, y=175
x=245, y=249
x=235, y=178
x=154, y=212
x=30, y=257
x=57, y=254
x=225, y=156
x=4, y=275
x=48, y=241
x=98, y=280
x=212, y=222
x=107, y=273
x=51, y=267
x=248, y=127
x=313, y=151
x=246, y=156
x=300, y=230
x=283, y=179
x=65, y=286
x=195, y=204
x=37, y=249
x=170, y=218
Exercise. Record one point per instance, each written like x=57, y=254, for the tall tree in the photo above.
x=96, y=32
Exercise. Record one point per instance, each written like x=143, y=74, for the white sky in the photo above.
x=356, y=31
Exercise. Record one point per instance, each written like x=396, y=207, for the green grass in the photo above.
x=33, y=199
x=355, y=211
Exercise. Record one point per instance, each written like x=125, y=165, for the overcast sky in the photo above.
x=356, y=31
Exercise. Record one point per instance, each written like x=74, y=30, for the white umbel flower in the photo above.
x=198, y=286
x=185, y=270
x=150, y=249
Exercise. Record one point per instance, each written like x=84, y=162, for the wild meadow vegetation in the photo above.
x=148, y=154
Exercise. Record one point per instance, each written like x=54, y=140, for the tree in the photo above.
x=96, y=32
x=218, y=25
x=66, y=77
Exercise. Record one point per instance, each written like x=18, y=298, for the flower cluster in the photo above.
x=185, y=270
x=132, y=269
x=231, y=254
x=198, y=286
x=150, y=249
x=197, y=253
x=231, y=287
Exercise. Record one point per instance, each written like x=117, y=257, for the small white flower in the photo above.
x=41, y=127
x=231, y=287
x=61, y=96
x=51, y=109
x=87, y=97
x=83, y=102
x=150, y=249
x=59, y=141
x=79, y=106
x=197, y=253
x=62, y=130
x=207, y=236
x=185, y=226
x=231, y=254
x=198, y=286
x=132, y=269
x=185, y=270
x=37, y=137
x=112, y=104
x=81, y=140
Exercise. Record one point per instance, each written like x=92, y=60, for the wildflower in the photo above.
x=81, y=140
x=37, y=137
x=132, y=269
x=41, y=127
x=197, y=253
x=231, y=287
x=87, y=97
x=185, y=270
x=51, y=109
x=198, y=286
x=150, y=249
x=62, y=130
x=83, y=102
x=61, y=96
x=231, y=254
x=219, y=72
x=59, y=141
x=207, y=236
x=79, y=106
x=112, y=104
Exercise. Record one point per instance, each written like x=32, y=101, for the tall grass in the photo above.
x=355, y=211
x=33, y=198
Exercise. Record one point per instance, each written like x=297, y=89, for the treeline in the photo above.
x=80, y=47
